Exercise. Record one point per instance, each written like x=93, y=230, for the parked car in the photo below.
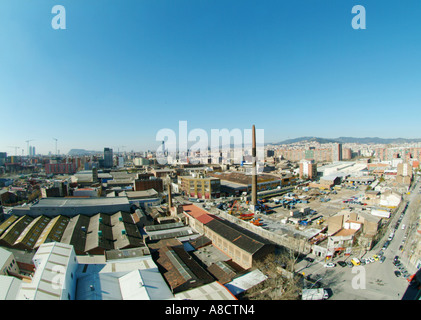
x=342, y=263
x=397, y=273
x=355, y=261
x=330, y=265
x=382, y=259
x=376, y=257
x=309, y=259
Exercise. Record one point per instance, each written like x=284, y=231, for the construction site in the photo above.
x=295, y=218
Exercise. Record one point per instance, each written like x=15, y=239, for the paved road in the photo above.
x=375, y=281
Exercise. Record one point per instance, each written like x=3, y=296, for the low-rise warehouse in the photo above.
x=52, y=207
x=87, y=234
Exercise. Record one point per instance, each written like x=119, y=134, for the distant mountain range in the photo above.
x=82, y=152
x=367, y=140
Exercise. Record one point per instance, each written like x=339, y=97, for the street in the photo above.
x=374, y=281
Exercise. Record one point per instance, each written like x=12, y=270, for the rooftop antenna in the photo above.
x=118, y=148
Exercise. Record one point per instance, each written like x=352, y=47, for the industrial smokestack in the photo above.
x=254, y=171
x=169, y=196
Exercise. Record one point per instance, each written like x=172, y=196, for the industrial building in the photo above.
x=241, y=245
x=52, y=207
x=144, y=198
x=59, y=275
x=181, y=271
x=200, y=187
x=235, y=183
x=55, y=275
x=8, y=263
x=87, y=234
x=144, y=183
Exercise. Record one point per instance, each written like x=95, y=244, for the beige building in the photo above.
x=200, y=187
x=243, y=249
x=404, y=174
x=8, y=264
x=242, y=246
x=344, y=228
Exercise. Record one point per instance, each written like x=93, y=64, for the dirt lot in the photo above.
x=273, y=220
x=326, y=209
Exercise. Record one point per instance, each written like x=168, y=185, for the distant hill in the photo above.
x=81, y=152
x=302, y=139
x=367, y=140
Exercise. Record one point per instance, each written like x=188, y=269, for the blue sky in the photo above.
x=123, y=70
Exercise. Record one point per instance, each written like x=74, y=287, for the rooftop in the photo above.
x=48, y=259
x=150, y=193
x=138, y=279
x=242, y=178
x=80, y=202
x=211, y=291
x=237, y=236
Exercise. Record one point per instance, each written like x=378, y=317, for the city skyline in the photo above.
x=120, y=73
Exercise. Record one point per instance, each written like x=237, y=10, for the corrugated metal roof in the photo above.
x=12, y=233
x=123, y=281
x=245, y=282
x=236, y=237
x=9, y=287
x=211, y=291
x=51, y=260
x=165, y=226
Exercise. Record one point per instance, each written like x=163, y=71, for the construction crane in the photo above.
x=16, y=149
x=118, y=148
x=27, y=145
x=56, y=145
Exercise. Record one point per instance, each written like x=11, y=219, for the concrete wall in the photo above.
x=299, y=245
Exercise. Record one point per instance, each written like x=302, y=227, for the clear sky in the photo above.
x=123, y=70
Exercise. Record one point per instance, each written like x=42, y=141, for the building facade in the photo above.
x=108, y=158
x=308, y=169
x=201, y=188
